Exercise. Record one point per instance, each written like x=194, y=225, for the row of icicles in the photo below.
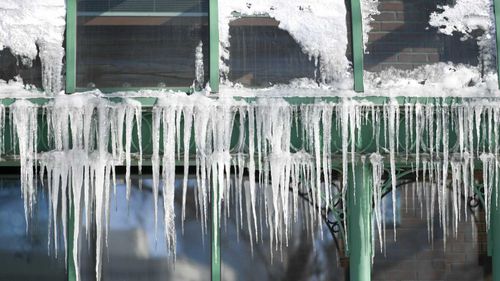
x=261, y=175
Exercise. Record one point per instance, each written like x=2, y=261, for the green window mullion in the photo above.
x=214, y=44
x=71, y=46
x=496, y=4
x=357, y=45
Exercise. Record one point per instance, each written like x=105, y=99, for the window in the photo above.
x=402, y=38
x=12, y=67
x=262, y=54
x=24, y=255
x=138, y=44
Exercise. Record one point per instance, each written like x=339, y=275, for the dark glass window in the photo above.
x=136, y=253
x=262, y=54
x=24, y=256
x=402, y=38
x=11, y=67
x=131, y=43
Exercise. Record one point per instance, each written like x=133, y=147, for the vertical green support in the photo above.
x=359, y=216
x=357, y=45
x=214, y=45
x=216, y=258
x=70, y=264
x=71, y=46
x=496, y=7
x=494, y=236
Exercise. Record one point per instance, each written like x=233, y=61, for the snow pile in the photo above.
x=318, y=26
x=436, y=80
x=31, y=28
x=466, y=17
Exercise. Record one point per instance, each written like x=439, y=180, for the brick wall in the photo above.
x=412, y=257
x=402, y=38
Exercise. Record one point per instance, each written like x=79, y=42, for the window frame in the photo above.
x=71, y=47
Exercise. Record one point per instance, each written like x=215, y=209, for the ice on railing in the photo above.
x=283, y=169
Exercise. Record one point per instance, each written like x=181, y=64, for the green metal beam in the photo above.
x=357, y=45
x=216, y=258
x=496, y=4
x=494, y=236
x=70, y=262
x=214, y=45
x=359, y=219
x=70, y=46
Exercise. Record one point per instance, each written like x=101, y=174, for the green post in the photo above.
x=70, y=263
x=216, y=259
x=71, y=46
x=359, y=216
x=214, y=45
x=496, y=6
x=358, y=45
x=494, y=236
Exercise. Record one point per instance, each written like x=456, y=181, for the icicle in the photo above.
x=24, y=117
x=378, y=170
x=199, y=67
x=393, y=123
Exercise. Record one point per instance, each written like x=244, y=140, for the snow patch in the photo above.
x=465, y=17
x=30, y=28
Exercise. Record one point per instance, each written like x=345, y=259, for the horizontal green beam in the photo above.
x=141, y=14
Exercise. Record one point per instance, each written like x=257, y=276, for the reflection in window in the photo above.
x=262, y=54
x=136, y=253
x=24, y=256
x=12, y=67
x=130, y=43
x=416, y=256
x=304, y=258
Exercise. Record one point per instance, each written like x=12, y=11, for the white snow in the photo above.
x=465, y=17
x=35, y=27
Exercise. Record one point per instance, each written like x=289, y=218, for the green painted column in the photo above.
x=359, y=216
x=214, y=45
x=497, y=28
x=70, y=264
x=71, y=46
x=357, y=45
x=495, y=236
x=216, y=259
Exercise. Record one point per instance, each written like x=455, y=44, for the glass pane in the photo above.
x=305, y=257
x=24, y=256
x=402, y=38
x=11, y=67
x=135, y=253
x=141, y=43
x=414, y=257
x=262, y=54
